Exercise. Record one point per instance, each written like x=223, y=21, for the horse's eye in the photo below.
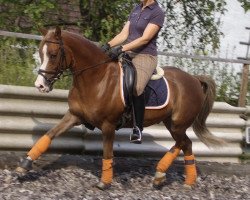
x=52, y=56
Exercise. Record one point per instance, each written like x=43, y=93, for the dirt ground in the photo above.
x=63, y=176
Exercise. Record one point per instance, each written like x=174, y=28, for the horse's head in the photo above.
x=55, y=58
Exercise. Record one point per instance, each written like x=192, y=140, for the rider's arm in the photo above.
x=150, y=31
x=121, y=37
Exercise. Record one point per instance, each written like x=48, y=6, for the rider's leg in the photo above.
x=145, y=65
x=138, y=114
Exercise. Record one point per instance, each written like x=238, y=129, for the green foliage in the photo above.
x=193, y=23
x=16, y=63
x=35, y=11
x=102, y=20
x=245, y=4
x=24, y=15
x=228, y=87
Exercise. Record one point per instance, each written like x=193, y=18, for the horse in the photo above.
x=95, y=99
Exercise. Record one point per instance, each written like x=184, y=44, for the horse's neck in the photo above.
x=86, y=55
x=91, y=73
x=84, y=52
x=93, y=86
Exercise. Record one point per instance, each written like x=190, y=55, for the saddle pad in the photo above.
x=157, y=94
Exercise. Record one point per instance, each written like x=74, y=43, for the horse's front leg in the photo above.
x=68, y=121
x=108, y=132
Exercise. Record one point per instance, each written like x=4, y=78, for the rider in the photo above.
x=138, y=38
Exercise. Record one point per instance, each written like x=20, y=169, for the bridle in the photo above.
x=62, y=66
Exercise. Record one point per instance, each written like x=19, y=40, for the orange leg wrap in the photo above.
x=167, y=160
x=107, y=171
x=40, y=147
x=190, y=170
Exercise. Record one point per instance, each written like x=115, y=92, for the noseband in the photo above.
x=60, y=66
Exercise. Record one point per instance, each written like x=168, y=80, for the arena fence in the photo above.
x=26, y=114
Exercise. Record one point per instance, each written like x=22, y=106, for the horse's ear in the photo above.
x=58, y=32
x=44, y=31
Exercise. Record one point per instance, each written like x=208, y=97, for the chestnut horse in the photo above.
x=95, y=99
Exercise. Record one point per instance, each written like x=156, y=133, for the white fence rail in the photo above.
x=26, y=114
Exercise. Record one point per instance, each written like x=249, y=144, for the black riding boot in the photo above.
x=138, y=114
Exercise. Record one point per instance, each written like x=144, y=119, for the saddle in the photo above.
x=129, y=74
x=156, y=91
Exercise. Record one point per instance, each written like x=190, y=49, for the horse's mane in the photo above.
x=82, y=39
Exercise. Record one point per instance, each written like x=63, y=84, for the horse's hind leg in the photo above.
x=182, y=143
x=189, y=161
x=67, y=122
x=166, y=161
x=164, y=164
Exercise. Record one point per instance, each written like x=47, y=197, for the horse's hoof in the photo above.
x=103, y=186
x=25, y=166
x=21, y=170
x=187, y=187
x=159, y=180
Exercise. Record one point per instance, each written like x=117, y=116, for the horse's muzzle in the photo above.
x=41, y=85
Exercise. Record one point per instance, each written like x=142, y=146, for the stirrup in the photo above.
x=136, y=136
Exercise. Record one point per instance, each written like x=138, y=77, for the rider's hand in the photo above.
x=106, y=47
x=115, y=52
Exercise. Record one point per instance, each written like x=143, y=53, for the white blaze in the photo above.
x=40, y=82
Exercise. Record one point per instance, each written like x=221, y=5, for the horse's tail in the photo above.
x=199, y=125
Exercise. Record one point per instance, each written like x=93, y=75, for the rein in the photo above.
x=77, y=72
x=60, y=70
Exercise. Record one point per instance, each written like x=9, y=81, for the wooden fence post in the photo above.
x=244, y=86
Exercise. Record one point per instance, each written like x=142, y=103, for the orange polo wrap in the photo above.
x=40, y=147
x=167, y=160
x=107, y=171
x=190, y=170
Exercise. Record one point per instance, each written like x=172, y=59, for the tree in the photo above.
x=101, y=20
x=24, y=15
x=245, y=4
x=195, y=23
